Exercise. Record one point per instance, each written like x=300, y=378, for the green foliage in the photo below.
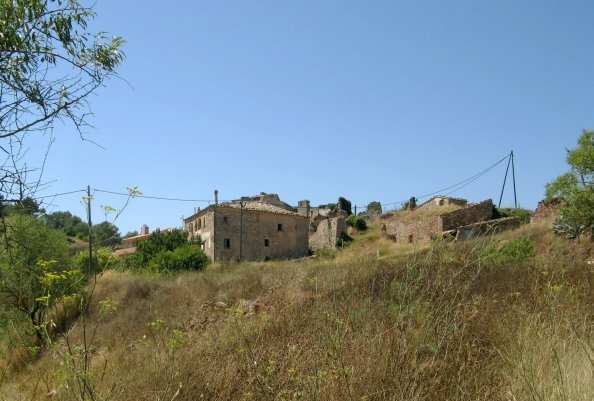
x=27, y=205
x=103, y=258
x=576, y=188
x=343, y=240
x=34, y=268
x=356, y=222
x=330, y=206
x=131, y=234
x=49, y=64
x=186, y=257
x=523, y=214
x=375, y=207
x=345, y=205
x=71, y=225
x=410, y=204
x=170, y=251
x=106, y=234
x=160, y=241
x=511, y=252
x=563, y=226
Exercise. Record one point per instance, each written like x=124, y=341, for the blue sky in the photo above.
x=372, y=101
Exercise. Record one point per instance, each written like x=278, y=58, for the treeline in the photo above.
x=103, y=234
x=38, y=273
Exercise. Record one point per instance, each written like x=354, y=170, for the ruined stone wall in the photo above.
x=412, y=231
x=487, y=227
x=546, y=211
x=440, y=201
x=475, y=213
x=424, y=228
x=327, y=231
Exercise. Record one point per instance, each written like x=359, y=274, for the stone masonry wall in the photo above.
x=440, y=201
x=418, y=230
x=258, y=235
x=328, y=230
x=475, y=213
x=423, y=229
x=229, y=233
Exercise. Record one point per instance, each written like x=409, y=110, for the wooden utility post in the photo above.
x=90, y=268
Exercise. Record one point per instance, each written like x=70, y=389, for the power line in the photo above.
x=456, y=187
x=60, y=194
x=152, y=197
x=453, y=188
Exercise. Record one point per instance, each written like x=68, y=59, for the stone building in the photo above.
x=251, y=228
x=427, y=220
x=441, y=201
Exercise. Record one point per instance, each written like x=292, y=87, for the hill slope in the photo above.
x=481, y=320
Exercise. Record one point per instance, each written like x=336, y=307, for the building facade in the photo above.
x=256, y=228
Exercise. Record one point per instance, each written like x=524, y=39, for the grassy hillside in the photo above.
x=500, y=318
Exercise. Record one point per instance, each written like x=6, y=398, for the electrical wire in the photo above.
x=453, y=188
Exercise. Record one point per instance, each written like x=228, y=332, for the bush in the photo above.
x=523, y=214
x=512, y=252
x=343, y=240
x=186, y=257
x=356, y=222
x=103, y=258
x=564, y=226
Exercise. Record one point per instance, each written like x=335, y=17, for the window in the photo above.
x=279, y=227
x=227, y=243
x=224, y=219
x=266, y=242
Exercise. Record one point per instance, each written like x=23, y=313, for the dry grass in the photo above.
x=378, y=321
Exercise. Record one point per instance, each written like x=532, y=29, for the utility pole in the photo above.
x=514, y=180
x=240, y=230
x=509, y=161
x=89, y=223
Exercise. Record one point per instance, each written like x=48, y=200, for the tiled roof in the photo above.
x=258, y=207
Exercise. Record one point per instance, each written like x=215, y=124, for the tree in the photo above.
x=106, y=234
x=186, y=257
x=71, y=225
x=26, y=205
x=356, y=222
x=374, y=206
x=410, y=204
x=34, y=268
x=49, y=67
x=162, y=241
x=345, y=205
x=131, y=234
x=576, y=189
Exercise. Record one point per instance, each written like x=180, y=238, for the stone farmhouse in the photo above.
x=442, y=216
x=252, y=228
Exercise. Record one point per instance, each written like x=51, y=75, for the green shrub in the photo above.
x=186, y=257
x=564, y=226
x=343, y=240
x=523, y=214
x=103, y=258
x=356, y=222
x=511, y=252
